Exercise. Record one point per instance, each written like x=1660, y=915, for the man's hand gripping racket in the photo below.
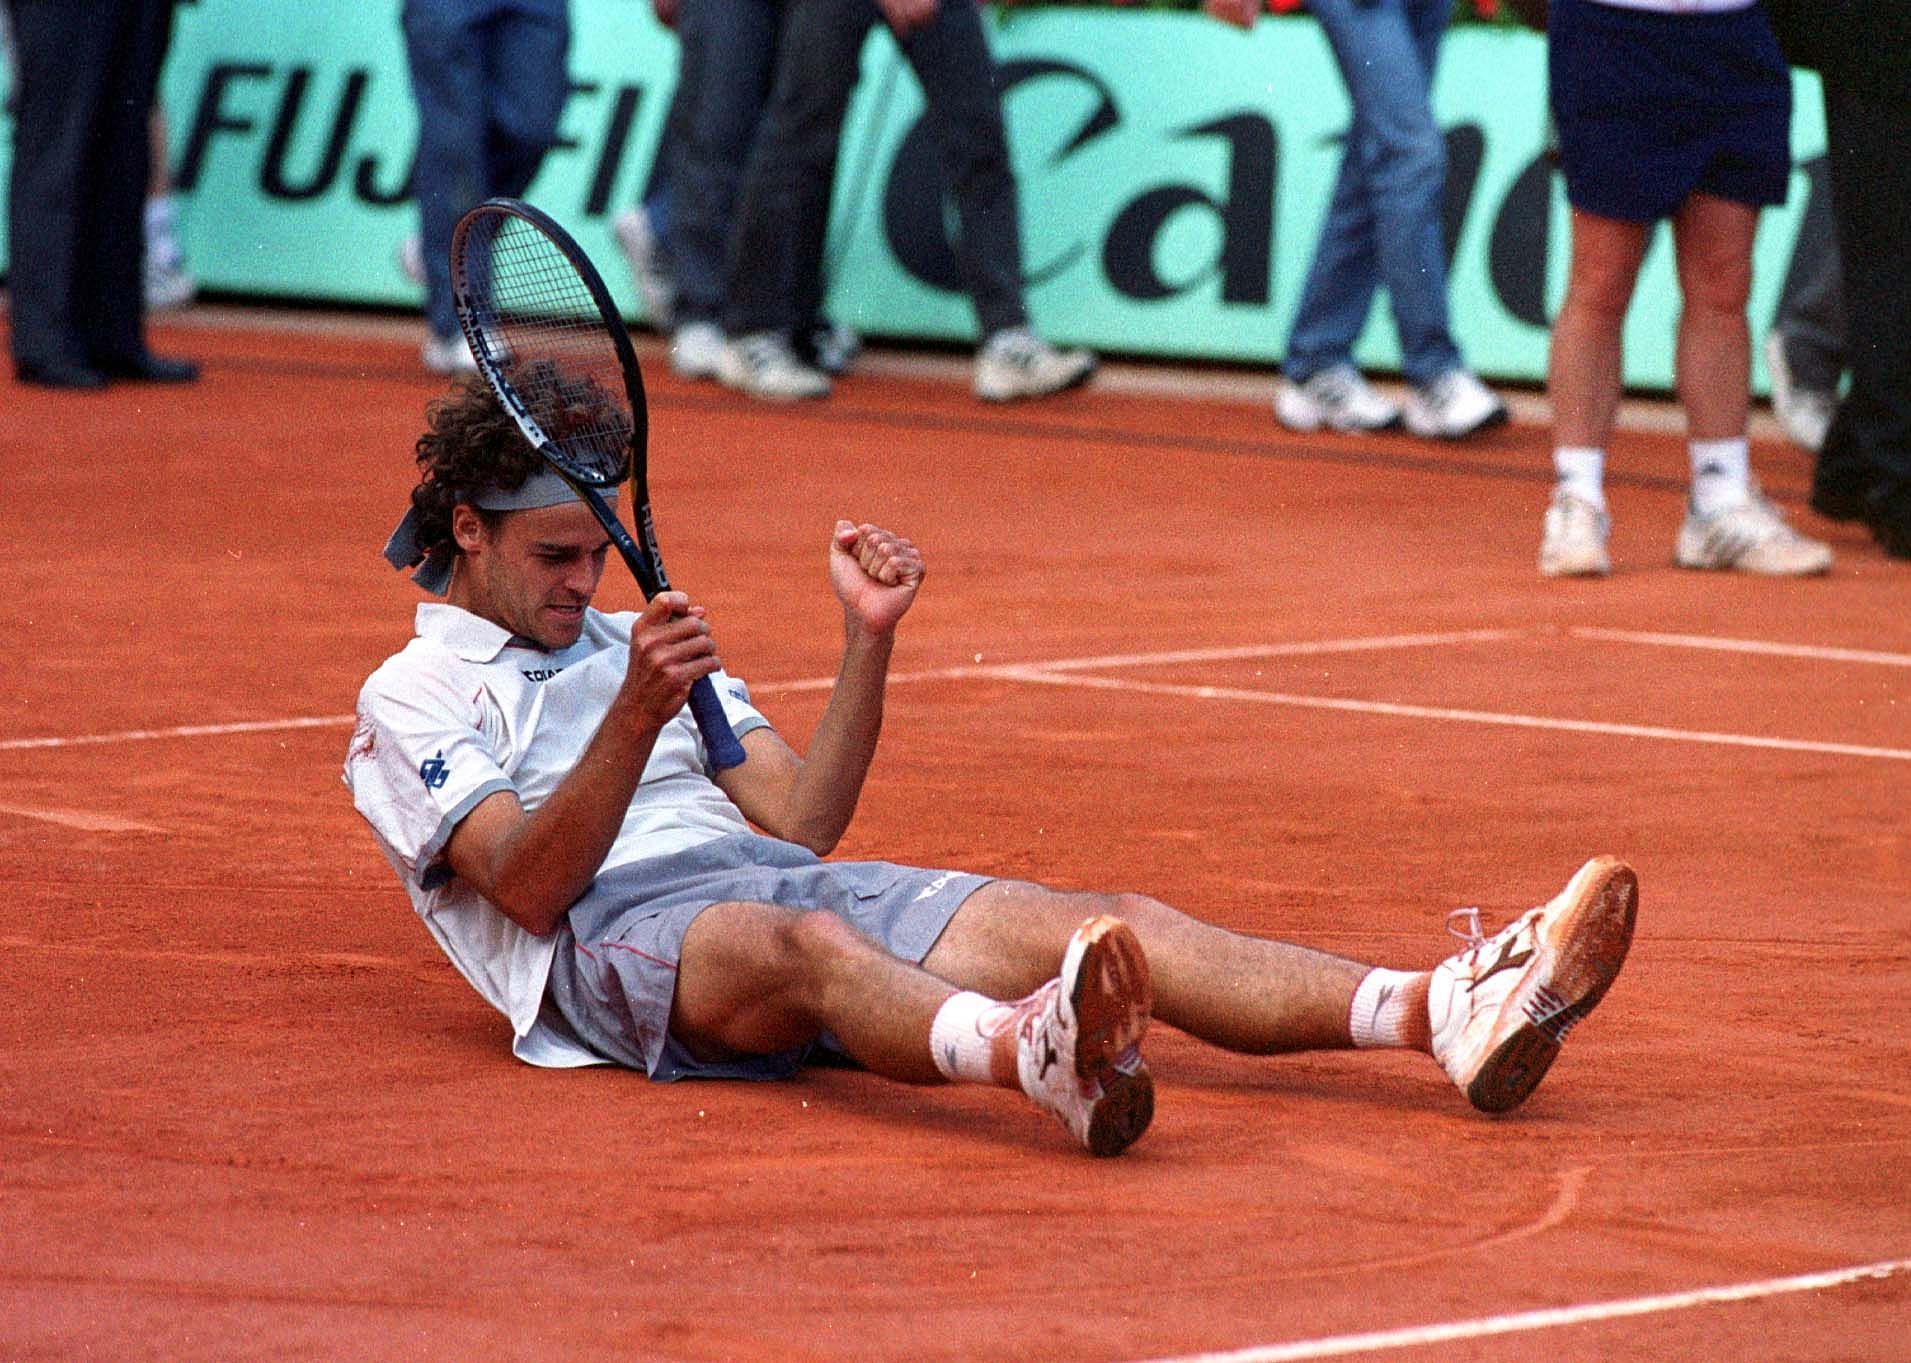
x=552, y=346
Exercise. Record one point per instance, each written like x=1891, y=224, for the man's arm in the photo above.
x=534, y=866
x=810, y=800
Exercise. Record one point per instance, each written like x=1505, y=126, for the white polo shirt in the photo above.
x=462, y=712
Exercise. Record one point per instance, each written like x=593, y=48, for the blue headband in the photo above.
x=403, y=550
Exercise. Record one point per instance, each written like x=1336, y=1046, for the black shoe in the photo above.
x=59, y=374
x=146, y=367
x=1888, y=514
x=1841, y=491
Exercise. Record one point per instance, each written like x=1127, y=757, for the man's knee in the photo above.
x=815, y=940
x=1719, y=285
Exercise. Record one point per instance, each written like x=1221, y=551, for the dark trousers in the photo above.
x=1867, y=455
x=1810, y=321
x=76, y=198
x=776, y=248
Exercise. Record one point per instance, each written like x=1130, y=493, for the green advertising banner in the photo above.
x=1174, y=172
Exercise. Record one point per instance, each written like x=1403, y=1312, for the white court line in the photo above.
x=1516, y=721
x=1020, y=671
x=84, y=820
x=1834, y=655
x=1056, y=672
x=1339, y=1346
x=257, y=726
x=1304, y=648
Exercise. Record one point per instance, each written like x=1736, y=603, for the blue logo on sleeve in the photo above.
x=434, y=772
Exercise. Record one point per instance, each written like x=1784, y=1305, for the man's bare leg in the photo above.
x=1493, y=1014
x=1583, y=370
x=1243, y=993
x=1712, y=239
x=759, y=979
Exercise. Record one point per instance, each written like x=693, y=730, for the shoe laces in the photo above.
x=1465, y=925
x=1339, y=386
x=1015, y=346
x=767, y=351
x=1754, y=521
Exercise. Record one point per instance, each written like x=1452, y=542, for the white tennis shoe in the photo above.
x=1803, y=411
x=1078, y=1039
x=1501, y=1008
x=1014, y=363
x=1338, y=398
x=1572, y=540
x=696, y=350
x=763, y=365
x=1452, y=407
x=448, y=354
x=1750, y=537
x=649, y=268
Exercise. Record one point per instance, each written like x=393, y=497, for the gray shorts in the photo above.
x=615, y=973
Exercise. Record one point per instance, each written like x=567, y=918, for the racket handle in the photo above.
x=718, y=740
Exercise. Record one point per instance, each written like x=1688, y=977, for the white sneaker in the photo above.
x=1015, y=363
x=696, y=350
x=1078, y=1039
x=168, y=283
x=1804, y=413
x=764, y=366
x=1338, y=398
x=1572, y=540
x=411, y=259
x=1501, y=1008
x=830, y=347
x=1751, y=537
x=448, y=355
x=1452, y=407
x=656, y=285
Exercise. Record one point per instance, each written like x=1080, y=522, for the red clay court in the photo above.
x=1311, y=688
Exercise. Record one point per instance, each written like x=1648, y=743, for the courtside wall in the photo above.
x=1174, y=172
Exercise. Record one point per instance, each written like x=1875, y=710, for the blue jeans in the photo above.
x=726, y=57
x=490, y=81
x=1383, y=225
x=776, y=249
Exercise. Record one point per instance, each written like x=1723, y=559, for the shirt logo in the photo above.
x=434, y=772
x=933, y=887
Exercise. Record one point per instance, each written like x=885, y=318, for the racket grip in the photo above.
x=718, y=740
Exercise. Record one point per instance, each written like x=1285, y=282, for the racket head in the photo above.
x=550, y=342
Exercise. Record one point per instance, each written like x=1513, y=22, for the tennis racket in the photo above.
x=554, y=349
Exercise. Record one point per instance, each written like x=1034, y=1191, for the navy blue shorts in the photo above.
x=1651, y=107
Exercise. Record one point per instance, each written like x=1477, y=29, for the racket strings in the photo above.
x=539, y=323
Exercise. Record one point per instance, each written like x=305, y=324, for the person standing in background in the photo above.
x=490, y=80
x=168, y=281
x=1680, y=110
x=774, y=269
x=87, y=78
x=1862, y=52
x=1383, y=227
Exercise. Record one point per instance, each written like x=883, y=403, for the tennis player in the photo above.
x=528, y=767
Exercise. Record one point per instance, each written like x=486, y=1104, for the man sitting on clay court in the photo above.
x=531, y=771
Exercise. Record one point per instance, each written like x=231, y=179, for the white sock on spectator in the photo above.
x=1582, y=472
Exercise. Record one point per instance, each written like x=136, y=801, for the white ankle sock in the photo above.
x=1721, y=474
x=960, y=1042
x=1378, y=1015
x=1582, y=472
